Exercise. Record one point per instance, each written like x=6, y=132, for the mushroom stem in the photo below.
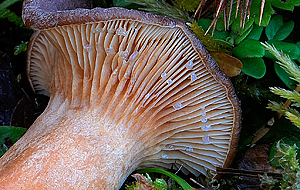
x=83, y=151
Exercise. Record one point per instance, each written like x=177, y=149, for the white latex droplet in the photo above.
x=87, y=48
x=177, y=106
x=193, y=76
x=108, y=50
x=206, y=127
x=169, y=81
x=204, y=120
x=121, y=32
x=165, y=156
x=97, y=30
x=189, y=65
x=205, y=139
x=163, y=75
x=173, y=24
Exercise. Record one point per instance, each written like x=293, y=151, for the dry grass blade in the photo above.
x=225, y=17
x=229, y=13
x=241, y=12
x=199, y=8
x=208, y=6
x=246, y=12
x=242, y=8
x=238, y=2
x=261, y=10
x=221, y=6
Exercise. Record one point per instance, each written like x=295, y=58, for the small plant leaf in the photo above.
x=255, y=32
x=240, y=33
x=254, y=67
x=249, y=49
x=290, y=49
x=275, y=24
x=231, y=66
x=179, y=180
x=286, y=4
x=240, y=38
x=285, y=77
x=8, y=136
x=284, y=31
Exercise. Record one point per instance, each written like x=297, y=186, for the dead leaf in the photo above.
x=255, y=159
x=145, y=184
x=231, y=66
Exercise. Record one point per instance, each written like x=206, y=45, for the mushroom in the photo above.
x=128, y=90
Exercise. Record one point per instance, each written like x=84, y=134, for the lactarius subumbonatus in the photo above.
x=128, y=90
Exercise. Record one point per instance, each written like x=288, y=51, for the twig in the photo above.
x=248, y=173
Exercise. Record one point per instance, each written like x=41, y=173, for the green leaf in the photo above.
x=278, y=30
x=160, y=184
x=254, y=67
x=11, y=16
x=10, y=133
x=4, y=13
x=275, y=24
x=255, y=12
x=249, y=49
x=179, y=180
x=284, y=31
x=290, y=49
x=255, y=32
x=240, y=38
x=236, y=26
x=285, y=77
x=8, y=3
x=204, y=23
x=239, y=33
x=286, y=4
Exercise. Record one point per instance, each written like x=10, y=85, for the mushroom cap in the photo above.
x=147, y=72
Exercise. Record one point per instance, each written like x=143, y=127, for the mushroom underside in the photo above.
x=146, y=77
x=131, y=94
